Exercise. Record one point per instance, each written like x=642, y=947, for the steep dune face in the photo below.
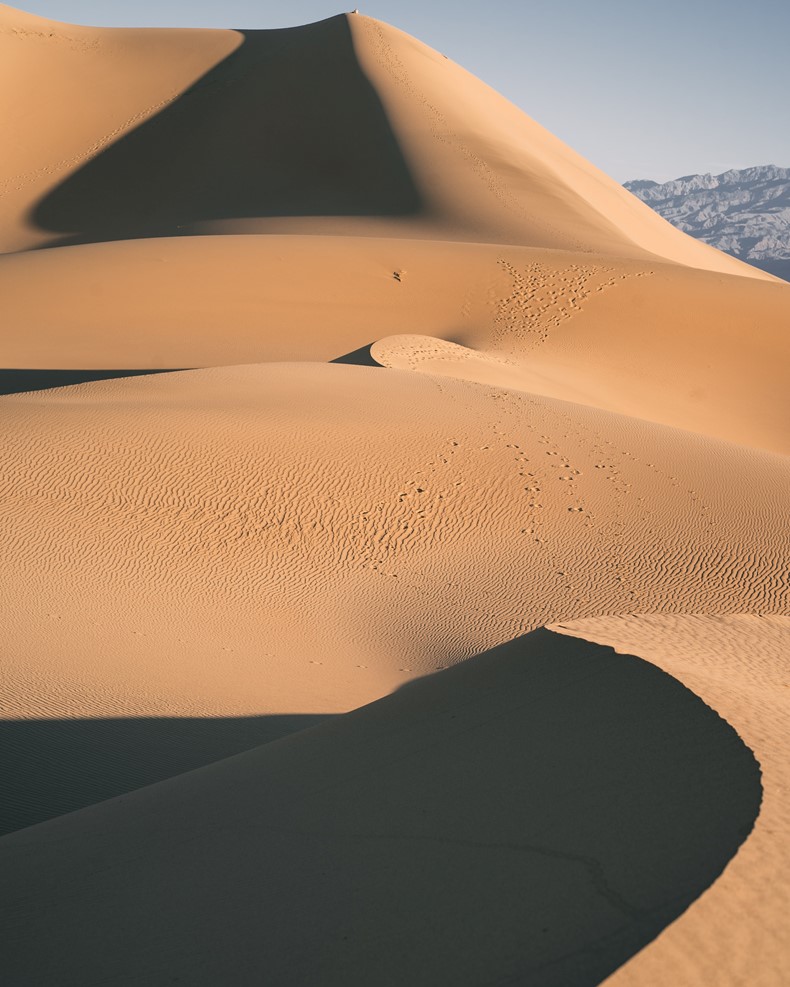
x=454, y=386
x=431, y=151
x=738, y=665
x=287, y=125
x=486, y=163
x=68, y=93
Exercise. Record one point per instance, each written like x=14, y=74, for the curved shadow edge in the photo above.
x=536, y=815
x=286, y=125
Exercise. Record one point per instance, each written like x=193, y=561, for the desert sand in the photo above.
x=394, y=524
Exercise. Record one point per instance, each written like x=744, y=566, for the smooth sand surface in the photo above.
x=307, y=641
x=651, y=340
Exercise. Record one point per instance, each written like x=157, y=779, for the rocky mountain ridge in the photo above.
x=745, y=213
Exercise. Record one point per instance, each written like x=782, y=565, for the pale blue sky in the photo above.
x=643, y=90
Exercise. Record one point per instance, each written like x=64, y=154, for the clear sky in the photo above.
x=643, y=90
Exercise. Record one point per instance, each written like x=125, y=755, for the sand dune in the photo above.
x=738, y=664
x=370, y=847
x=68, y=93
x=161, y=557
x=307, y=665
x=679, y=355
x=432, y=150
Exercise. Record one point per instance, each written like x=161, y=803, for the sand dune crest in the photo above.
x=370, y=846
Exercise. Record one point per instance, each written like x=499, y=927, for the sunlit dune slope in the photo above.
x=678, y=346
x=346, y=126
x=302, y=538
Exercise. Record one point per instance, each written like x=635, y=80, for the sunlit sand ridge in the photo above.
x=424, y=619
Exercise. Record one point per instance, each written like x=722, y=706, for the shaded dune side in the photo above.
x=286, y=125
x=19, y=381
x=347, y=125
x=536, y=815
x=68, y=92
x=55, y=766
x=736, y=933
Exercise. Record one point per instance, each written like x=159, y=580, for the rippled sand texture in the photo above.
x=424, y=618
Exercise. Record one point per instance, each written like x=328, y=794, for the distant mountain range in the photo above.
x=744, y=213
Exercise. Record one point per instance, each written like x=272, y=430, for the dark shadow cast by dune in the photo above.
x=20, y=381
x=358, y=358
x=536, y=815
x=287, y=125
x=54, y=766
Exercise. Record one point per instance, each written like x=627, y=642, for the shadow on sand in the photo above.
x=358, y=358
x=287, y=125
x=56, y=766
x=534, y=816
x=21, y=381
